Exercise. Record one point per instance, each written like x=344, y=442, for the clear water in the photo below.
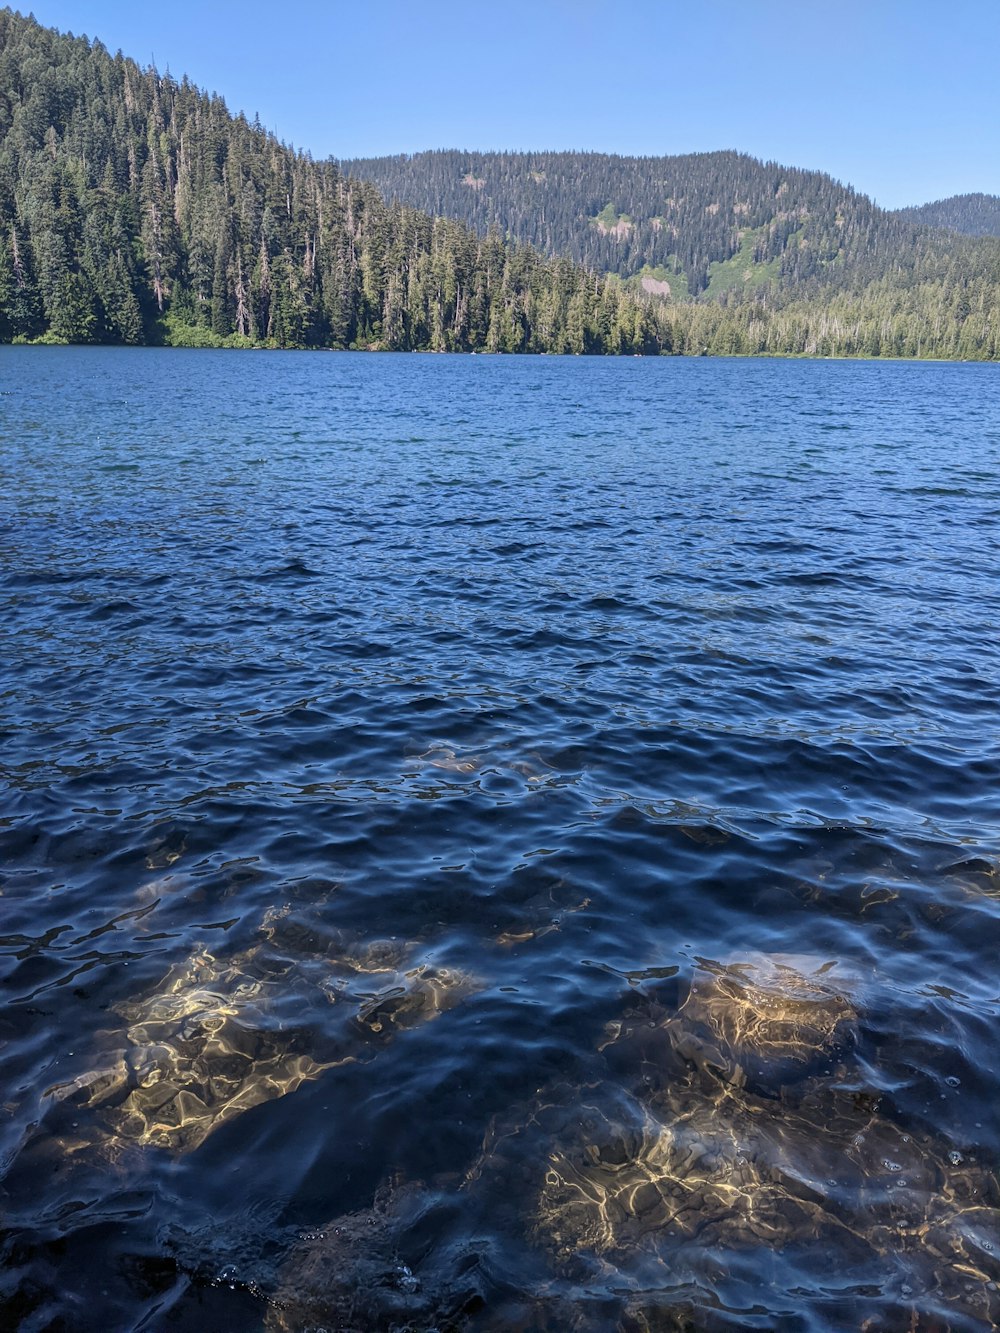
x=498, y=844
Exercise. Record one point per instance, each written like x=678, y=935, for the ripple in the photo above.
x=536, y=874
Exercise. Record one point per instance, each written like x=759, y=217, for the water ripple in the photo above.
x=494, y=843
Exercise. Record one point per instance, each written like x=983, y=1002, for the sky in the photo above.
x=898, y=98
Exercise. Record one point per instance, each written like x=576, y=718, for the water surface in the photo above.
x=408, y=759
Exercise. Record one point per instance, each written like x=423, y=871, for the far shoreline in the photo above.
x=46, y=343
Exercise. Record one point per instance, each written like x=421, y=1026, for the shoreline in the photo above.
x=575, y=356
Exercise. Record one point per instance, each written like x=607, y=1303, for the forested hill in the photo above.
x=702, y=223
x=135, y=208
x=971, y=214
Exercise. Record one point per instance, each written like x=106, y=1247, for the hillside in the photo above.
x=971, y=214
x=136, y=209
x=620, y=214
x=710, y=221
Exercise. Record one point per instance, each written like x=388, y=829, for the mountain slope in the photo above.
x=971, y=214
x=134, y=208
x=705, y=224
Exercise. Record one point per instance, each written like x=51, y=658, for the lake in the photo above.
x=498, y=843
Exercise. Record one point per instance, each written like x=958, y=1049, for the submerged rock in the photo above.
x=763, y=1020
x=203, y=1049
x=417, y=996
x=370, y=1270
x=633, y=1179
x=731, y=1132
x=636, y=1197
x=443, y=757
x=531, y=768
x=219, y=1036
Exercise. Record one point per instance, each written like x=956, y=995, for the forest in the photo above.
x=754, y=257
x=690, y=214
x=137, y=209
x=972, y=214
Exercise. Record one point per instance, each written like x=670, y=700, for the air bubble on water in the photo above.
x=891, y=1166
x=955, y=1158
x=906, y=1290
x=953, y=1081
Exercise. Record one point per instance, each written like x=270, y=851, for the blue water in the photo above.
x=398, y=750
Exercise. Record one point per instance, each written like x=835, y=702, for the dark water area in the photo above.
x=496, y=843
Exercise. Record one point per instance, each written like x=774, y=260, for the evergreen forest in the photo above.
x=972, y=214
x=136, y=209
x=752, y=256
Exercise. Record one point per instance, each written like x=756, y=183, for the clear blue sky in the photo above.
x=896, y=97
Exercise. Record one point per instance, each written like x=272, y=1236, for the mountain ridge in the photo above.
x=974, y=214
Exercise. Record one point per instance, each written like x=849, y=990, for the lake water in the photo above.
x=498, y=843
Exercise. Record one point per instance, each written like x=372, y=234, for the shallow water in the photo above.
x=399, y=752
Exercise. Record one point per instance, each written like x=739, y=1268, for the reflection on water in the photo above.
x=520, y=855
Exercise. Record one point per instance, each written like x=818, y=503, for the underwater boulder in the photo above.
x=763, y=1020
